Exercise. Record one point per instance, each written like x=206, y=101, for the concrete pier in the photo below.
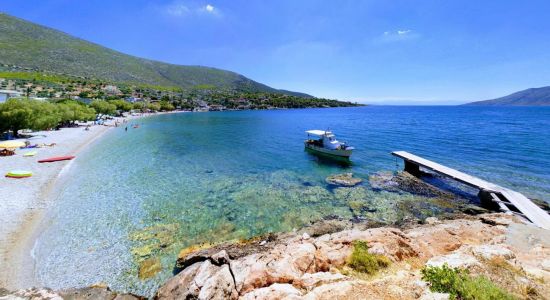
x=505, y=199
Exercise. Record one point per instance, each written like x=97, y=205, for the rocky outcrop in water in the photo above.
x=345, y=179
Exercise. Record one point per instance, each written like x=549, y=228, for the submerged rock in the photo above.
x=344, y=179
x=149, y=268
x=384, y=181
x=153, y=239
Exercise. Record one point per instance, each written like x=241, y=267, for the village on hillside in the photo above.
x=50, y=86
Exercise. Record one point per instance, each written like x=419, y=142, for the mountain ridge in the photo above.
x=32, y=46
x=528, y=97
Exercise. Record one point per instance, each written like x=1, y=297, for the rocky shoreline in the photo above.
x=312, y=263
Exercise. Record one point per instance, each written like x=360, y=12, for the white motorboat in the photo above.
x=325, y=142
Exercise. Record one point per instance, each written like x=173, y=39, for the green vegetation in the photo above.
x=17, y=114
x=103, y=107
x=30, y=47
x=363, y=261
x=70, y=111
x=460, y=285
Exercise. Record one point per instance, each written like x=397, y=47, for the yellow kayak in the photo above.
x=31, y=153
x=19, y=174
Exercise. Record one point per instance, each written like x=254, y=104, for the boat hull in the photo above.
x=54, y=159
x=339, y=153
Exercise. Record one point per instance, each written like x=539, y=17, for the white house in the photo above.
x=6, y=94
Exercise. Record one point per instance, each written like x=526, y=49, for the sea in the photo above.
x=137, y=197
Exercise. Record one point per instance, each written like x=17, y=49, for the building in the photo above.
x=6, y=94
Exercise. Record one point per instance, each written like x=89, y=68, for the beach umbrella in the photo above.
x=11, y=144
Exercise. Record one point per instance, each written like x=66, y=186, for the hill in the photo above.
x=31, y=46
x=528, y=97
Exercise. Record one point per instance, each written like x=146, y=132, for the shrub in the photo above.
x=363, y=261
x=460, y=285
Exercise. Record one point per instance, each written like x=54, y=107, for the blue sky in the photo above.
x=389, y=51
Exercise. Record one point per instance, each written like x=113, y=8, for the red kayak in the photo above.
x=58, y=158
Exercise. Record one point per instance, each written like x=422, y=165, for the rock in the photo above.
x=195, y=253
x=432, y=221
x=345, y=179
x=312, y=280
x=34, y=293
x=180, y=286
x=220, y=285
x=327, y=226
x=434, y=296
x=384, y=181
x=273, y=292
x=454, y=260
x=545, y=265
x=88, y=293
x=93, y=293
x=305, y=236
x=149, y=268
x=336, y=290
x=492, y=251
x=145, y=250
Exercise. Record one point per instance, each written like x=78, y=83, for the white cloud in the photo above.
x=177, y=9
x=397, y=35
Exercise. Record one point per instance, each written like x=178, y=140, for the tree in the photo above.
x=153, y=106
x=103, y=107
x=165, y=105
x=138, y=105
x=122, y=105
x=71, y=111
x=17, y=114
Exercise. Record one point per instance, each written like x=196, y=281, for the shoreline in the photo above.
x=504, y=256
x=27, y=200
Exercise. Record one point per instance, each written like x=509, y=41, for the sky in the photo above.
x=370, y=51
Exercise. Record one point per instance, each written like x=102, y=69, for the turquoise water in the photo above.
x=183, y=179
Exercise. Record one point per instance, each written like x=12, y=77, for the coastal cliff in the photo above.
x=314, y=263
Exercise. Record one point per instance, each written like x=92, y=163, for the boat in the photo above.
x=325, y=142
x=31, y=153
x=19, y=174
x=58, y=158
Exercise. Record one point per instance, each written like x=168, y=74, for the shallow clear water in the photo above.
x=190, y=178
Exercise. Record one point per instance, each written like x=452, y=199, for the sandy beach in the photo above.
x=23, y=201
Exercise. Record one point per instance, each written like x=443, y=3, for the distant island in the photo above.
x=529, y=97
x=44, y=63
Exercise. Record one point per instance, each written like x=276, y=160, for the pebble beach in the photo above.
x=22, y=200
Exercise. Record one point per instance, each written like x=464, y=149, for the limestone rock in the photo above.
x=345, y=179
x=336, y=290
x=492, y=251
x=220, y=285
x=432, y=221
x=454, y=260
x=434, y=296
x=273, y=292
x=311, y=280
x=179, y=286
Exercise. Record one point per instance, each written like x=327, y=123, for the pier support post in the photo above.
x=412, y=168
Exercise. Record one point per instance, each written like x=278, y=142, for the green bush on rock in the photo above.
x=460, y=285
x=363, y=261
